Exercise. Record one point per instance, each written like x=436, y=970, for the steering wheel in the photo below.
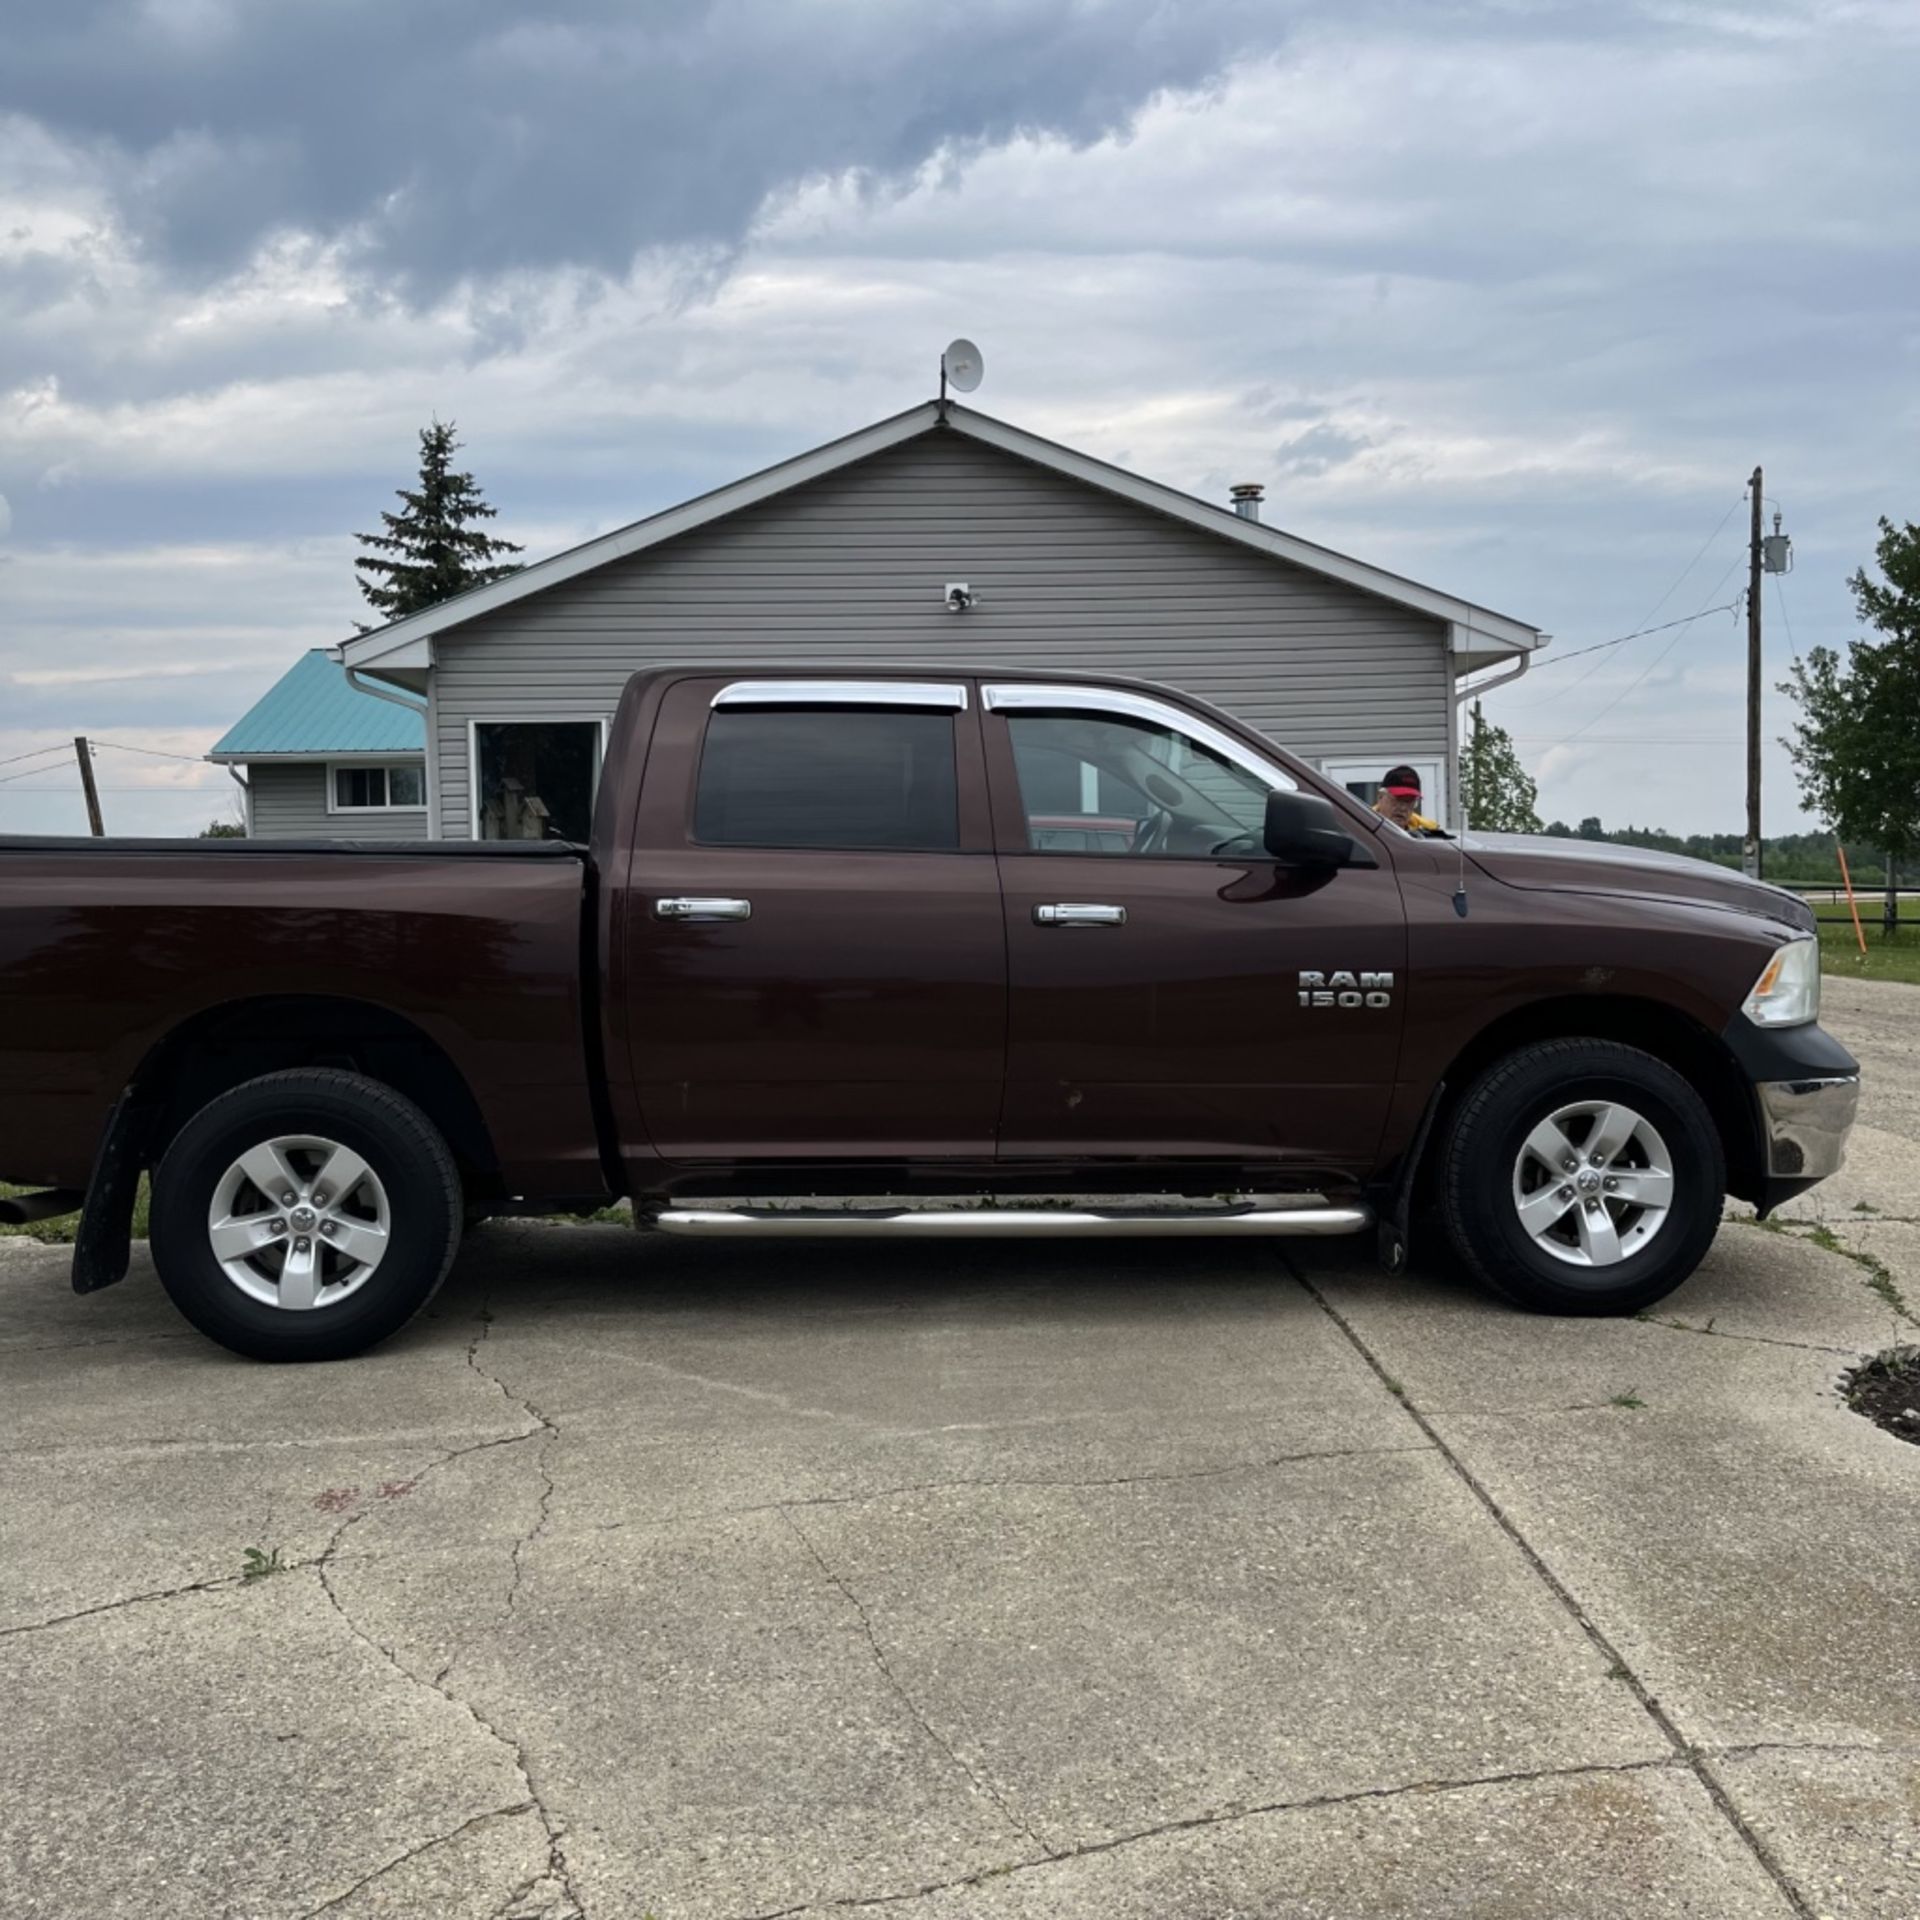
x=1153, y=834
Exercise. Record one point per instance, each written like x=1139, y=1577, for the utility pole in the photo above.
x=1751, y=860
x=84, y=754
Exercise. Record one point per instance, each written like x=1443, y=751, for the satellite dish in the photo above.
x=961, y=367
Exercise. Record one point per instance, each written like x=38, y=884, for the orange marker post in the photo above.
x=1852, y=906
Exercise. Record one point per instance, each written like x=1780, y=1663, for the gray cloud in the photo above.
x=457, y=138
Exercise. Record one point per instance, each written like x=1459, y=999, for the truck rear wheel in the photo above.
x=1582, y=1177
x=305, y=1215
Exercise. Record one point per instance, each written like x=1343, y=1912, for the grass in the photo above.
x=256, y=1564
x=1884, y=959
x=1628, y=1399
x=62, y=1230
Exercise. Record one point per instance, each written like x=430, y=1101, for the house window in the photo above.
x=828, y=777
x=372, y=789
x=535, y=780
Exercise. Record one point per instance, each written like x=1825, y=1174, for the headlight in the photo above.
x=1787, y=994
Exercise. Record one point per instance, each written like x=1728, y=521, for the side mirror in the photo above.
x=1303, y=830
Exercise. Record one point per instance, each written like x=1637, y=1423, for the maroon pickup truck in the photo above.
x=988, y=952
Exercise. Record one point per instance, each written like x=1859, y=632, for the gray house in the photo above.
x=854, y=551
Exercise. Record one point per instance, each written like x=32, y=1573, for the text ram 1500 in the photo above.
x=927, y=935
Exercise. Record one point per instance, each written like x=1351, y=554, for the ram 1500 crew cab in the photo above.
x=939, y=936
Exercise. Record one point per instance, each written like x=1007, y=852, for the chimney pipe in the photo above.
x=1246, y=499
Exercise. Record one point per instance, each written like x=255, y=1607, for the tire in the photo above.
x=341, y=1270
x=1609, y=1249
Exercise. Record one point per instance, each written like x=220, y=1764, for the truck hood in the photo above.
x=1544, y=865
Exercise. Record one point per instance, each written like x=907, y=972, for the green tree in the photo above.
x=1495, y=791
x=435, y=547
x=1856, y=743
x=223, y=830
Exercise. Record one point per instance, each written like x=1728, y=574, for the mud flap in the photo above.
x=103, y=1243
x=1396, y=1207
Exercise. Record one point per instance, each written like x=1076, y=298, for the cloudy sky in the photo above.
x=1509, y=297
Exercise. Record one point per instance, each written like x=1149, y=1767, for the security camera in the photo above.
x=959, y=596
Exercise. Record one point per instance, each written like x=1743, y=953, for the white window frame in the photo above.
x=368, y=763
x=475, y=722
x=1026, y=696
x=1431, y=767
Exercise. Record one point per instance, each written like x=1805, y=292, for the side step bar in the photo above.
x=963, y=1223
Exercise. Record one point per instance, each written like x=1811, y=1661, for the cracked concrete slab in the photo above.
x=1585, y=1846
x=1757, y=1570
x=184, y=1457
x=1846, y=1826
x=1192, y=1359
x=238, y=1752
x=1764, y=1308
x=703, y=1708
x=493, y=1866
x=1119, y=1657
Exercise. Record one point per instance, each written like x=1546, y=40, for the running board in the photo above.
x=981, y=1223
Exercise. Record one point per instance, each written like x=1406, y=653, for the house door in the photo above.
x=815, y=961
x=535, y=779
x=1156, y=955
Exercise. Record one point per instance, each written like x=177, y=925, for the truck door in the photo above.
x=815, y=957
x=1173, y=993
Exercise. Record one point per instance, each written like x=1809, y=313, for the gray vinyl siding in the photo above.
x=854, y=567
x=290, y=803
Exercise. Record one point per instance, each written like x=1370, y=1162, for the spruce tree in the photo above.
x=435, y=547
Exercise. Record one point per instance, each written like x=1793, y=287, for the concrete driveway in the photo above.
x=653, y=1578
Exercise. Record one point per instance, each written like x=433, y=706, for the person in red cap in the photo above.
x=1398, y=800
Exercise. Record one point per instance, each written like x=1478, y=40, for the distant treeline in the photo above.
x=1803, y=859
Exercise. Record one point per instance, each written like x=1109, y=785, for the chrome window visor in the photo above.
x=1136, y=706
x=948, y=698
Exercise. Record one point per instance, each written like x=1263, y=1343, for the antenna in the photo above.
x=961, y=367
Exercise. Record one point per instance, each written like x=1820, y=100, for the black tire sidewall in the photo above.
x=397, y=1141
x=1486, y=1145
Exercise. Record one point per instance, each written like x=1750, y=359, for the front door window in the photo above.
x=536, y=779
x=1123, y=784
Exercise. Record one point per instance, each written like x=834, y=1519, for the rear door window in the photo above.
x=845, y=777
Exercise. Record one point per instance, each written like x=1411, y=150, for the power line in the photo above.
x=1633, y=684
x=39, y=753
x=1679, y=579
x=158, y=753
x=1639, y=633
x=151, y=792
x=1780, y=601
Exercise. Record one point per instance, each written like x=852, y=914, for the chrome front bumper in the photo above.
x=1807, y=1123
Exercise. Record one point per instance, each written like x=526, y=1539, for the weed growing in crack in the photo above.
x=1627, y=1399
x=1393, y=1387
x=256, y=1563
x=1879, y=1274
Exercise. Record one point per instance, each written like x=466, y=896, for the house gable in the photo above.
x=853, y=565
x=404, y=650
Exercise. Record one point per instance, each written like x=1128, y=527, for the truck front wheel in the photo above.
x=305, y=1215
x=1582, y=1177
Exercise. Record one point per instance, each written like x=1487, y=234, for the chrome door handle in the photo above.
x=702, y=907
x=1079, y=913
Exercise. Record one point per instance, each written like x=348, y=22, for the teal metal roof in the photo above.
x=313, y=708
